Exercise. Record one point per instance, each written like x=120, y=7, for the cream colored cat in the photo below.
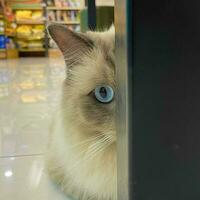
x=82, y=156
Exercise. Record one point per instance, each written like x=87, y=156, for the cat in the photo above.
x=82, y=153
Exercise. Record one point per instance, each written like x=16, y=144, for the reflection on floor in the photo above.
x=29, y=92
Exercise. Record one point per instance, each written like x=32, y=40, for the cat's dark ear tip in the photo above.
x=52, y=27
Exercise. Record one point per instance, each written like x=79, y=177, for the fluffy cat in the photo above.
x=82, y=154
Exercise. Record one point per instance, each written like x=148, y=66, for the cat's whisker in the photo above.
x=98, y=149
x=97, y=145
x=85, y=142
x=87, y=157
x=92, y=150
x=89, y=140
x=105, y=142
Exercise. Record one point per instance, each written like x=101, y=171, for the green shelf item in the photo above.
x=104, y=17
x=31, y=49
x=27, y=6
x=84, y=20
x=63, y=8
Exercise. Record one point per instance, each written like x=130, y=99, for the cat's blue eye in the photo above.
x=104, y=94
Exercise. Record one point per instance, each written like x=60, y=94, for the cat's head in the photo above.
x=89, y=90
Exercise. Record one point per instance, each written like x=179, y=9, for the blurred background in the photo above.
x=31, y=72
x=22, y=24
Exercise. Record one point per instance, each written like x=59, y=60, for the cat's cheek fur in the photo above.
x=84, y=180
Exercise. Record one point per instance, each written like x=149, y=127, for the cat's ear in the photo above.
x=112, y=29
x=73, y=45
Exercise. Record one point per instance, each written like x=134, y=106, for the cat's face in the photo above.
x=89, y=90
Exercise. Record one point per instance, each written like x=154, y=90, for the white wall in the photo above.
x=100, y=2
x=105, y=2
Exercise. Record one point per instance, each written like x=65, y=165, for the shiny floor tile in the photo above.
x=24, y=178
x=29, y=93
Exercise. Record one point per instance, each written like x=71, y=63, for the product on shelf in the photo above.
x=2, y=41
x=38, y=31
x=51, y=16
x=30, y=45
x=58, y=15
x=10, y=44
x=23, y=14
x=28, y=15
x=8, y=13
x=30, y=32
x=2, y=29
x=30, y=25
x=22, y=44
x=35, y=44
x=2, y=26
x=10, y=29
x=64, y=3
x=65, y=16
x=37, y=15
x=24, y=31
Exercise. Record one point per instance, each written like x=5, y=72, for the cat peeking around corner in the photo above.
x=82, y=152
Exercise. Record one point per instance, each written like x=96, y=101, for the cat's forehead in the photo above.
x=96, y=69
x=104, y=40
x=98, y=66
x=104, y=46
